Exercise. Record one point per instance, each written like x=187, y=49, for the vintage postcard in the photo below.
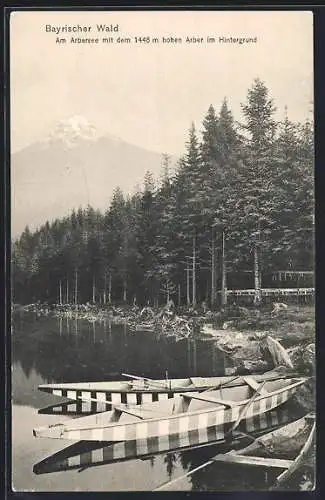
x=162, y=264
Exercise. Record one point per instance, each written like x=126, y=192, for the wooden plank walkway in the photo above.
x=269, y=292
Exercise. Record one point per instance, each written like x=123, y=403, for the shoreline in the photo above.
x=240, y=332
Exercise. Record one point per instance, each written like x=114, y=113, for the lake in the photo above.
x=46, y=350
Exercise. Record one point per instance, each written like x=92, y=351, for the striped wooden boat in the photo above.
x=216, y=411
x=90, y=454
x=93, y=397
x=283, y=448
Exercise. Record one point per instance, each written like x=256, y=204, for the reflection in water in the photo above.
x=76, y=350
x=194, y=357
x=170, y=460
x=46, y=350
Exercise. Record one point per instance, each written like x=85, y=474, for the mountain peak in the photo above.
x=73, y=129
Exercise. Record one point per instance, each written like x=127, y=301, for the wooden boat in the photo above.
x=83, y=454
x=286, y=447
x=95, y=397
x=215, y=413
x=276, y=448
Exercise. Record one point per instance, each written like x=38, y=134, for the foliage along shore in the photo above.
x=240, y=332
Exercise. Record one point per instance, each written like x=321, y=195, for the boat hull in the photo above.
x=283, y=448
x=83, y=454
x=93, y=397
x=201, y=421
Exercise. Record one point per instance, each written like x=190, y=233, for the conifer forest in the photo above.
x=238, y=207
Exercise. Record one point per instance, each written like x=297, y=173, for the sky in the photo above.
x=149, y=93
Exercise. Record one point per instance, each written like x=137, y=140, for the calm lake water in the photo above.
x=48, y=350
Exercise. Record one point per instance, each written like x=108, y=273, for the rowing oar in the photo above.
x=145, y=379
x=159, y=384
x=243, y=412
x=221, y=386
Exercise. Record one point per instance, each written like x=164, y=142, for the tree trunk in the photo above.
x=76, y=288
x=94, y=291
x=188, y=298
x=194, y=358
x=194, y=275
x=67, y=291
x=104, y=293
x=167, y=288
x=60, y=294
x=257, y=285
x=224, y=272
x=179, y=294
x=213, y=272
x=110, y=289
x=94, y=331
x=189, y=361
x=124, y=290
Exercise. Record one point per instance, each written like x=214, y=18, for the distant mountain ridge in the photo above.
x=74, y=166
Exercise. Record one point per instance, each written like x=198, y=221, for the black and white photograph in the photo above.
x=162, y=251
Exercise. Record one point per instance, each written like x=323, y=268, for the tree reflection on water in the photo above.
x=76, y=350
x=170, y=461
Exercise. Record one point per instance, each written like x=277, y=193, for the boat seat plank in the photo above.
x=209, y=399
x=141, y=413
x=258, y=461
x=253, y=384
x=129, y=411
x=192, y=383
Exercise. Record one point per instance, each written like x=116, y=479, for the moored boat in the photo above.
x=92, y=397
x=213, y=413
x=285, y=447
x=91, y=454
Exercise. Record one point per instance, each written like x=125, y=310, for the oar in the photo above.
x=244, y=410
x=222, y=385
x=158, y=383
x=145, y=379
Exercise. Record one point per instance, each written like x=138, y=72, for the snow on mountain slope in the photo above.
x=74, y=166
